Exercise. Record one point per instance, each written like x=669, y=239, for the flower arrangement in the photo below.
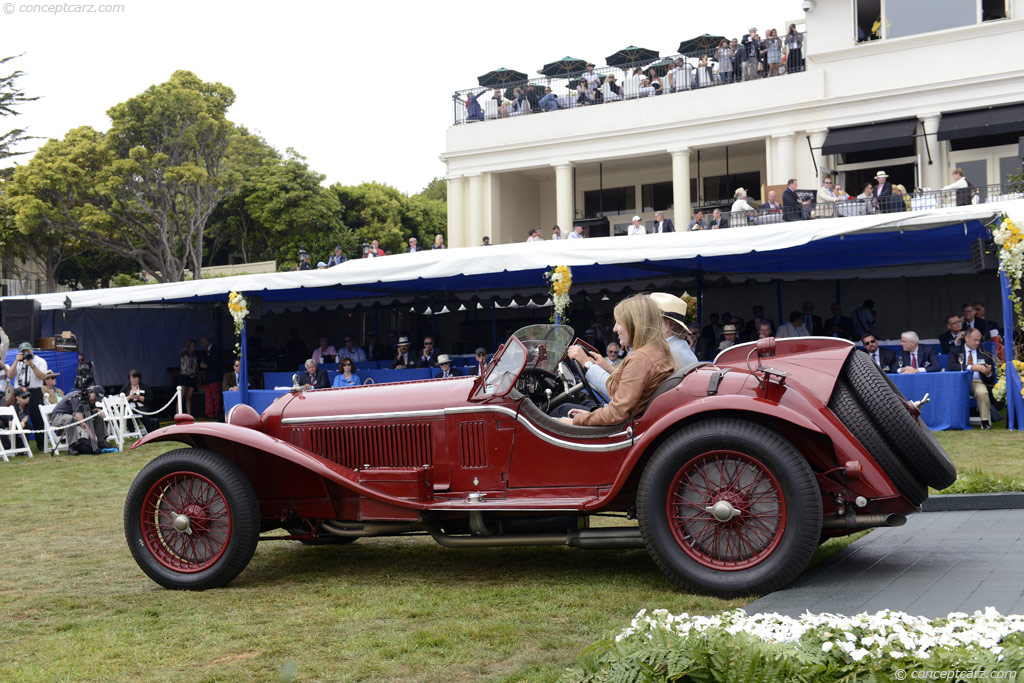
x=559, y=282
x=239, y=309
x=999, y=389
x=735, y=646
x=1010, y=240
x=691, y=308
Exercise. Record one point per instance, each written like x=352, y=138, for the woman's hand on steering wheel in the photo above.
x=573, y=352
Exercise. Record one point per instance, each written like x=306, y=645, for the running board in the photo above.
x=609, y=538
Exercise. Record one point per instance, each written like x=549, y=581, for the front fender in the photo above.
x=233, y=442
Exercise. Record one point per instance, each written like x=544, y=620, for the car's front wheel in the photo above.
x=728, y=507
x=191, y=520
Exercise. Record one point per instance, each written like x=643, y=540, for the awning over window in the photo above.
x=898, y=133
x=981, y=122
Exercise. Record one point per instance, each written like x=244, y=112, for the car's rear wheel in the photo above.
x=191, y=520
x=729, y=508
x=883, y=404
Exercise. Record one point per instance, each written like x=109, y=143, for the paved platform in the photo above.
x=939, y=562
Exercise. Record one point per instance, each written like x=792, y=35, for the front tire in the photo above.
x=191, y=520
x=729, y=508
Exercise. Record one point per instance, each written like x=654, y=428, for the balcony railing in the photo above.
x=842, y=208
x=675, y=74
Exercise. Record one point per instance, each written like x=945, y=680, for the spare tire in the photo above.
x=846, y=407
x=884, y=405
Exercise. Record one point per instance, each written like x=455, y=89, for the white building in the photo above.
x=942, y=87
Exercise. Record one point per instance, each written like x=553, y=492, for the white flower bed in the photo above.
x=883, y=635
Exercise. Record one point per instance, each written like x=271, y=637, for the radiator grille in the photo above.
x=472, y=448
x=389, y=445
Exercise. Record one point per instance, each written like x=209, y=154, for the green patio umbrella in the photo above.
x=500, y=76
x=563, y=66
x=702, y=42
x=632, y=56
x=660, y=67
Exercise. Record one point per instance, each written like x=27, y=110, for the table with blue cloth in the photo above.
x=950, y=394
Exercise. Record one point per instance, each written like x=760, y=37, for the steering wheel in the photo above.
x=579, y=369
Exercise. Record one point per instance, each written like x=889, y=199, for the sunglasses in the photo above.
x=428, y=343
x=870, y=341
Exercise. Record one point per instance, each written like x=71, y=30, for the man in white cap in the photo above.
x=882, y=189
x=637, y=228
x=673, y=315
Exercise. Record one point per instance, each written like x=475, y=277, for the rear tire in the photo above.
x=756, y=473
x=191, y=520
x=884, y=406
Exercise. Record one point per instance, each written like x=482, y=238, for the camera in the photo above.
x=84, y=378
x=808, y=5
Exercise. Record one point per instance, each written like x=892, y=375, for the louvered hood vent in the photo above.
x=387, y=445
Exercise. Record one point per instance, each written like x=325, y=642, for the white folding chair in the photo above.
x=15, y=432
x=133, y=428
x=113, y=416
x=53, y=442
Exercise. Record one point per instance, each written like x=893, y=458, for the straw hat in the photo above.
x=672, y=307
x=881, y=174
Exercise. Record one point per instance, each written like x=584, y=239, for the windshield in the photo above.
x=545, y=345
x=534, y=346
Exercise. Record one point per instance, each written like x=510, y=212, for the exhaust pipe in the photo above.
x=863, y=521
x=592, y=539
x=358, y=530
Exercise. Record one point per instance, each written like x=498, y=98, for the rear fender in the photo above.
x=276, y=468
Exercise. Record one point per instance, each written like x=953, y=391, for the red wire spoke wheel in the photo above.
x=726, y=509
x=186, y=522
x=729, y=507
x=191, y=520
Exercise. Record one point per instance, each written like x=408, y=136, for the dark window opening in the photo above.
x=868, y=27
x=657, y=197
x=609, y=201
x=992, y=10
x=721, y=188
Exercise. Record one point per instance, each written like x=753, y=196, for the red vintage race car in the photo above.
x=734, y=473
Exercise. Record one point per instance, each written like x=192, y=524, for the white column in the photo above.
x=785, y=162
x=456, y=212
x=475, y=220
x=564, y=214
x=817, y=140
x=932, y=175
x=681, y=186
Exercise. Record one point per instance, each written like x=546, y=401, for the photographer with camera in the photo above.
x=88, y=437
x=83, y=376
x=28, y=372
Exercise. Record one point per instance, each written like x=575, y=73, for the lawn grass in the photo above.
x=74, y=606
x=986, y=460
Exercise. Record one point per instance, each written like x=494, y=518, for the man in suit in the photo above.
x=481, y=361
x=954, y=334
x=884, y=358
x=428, y=356
x=826, y=200
x=971, y=358
x=403, y=359
x=314, y=377
x=445, y=363
x=812, y=322
x=972, y=321
x=993, y=325
x=662, y=224
x=914, y=357
x=792, y=205
x=233, y=378
x=883, y=193
x=718, y=221
x=413, y=245
x=838, y=325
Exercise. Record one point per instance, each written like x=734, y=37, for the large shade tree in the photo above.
x=11, y=96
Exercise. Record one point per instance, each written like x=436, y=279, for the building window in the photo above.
x=597, y=203
x=657, y=197
x=722, y=188
x=898, y=18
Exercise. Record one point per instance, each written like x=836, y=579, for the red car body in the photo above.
x=473, y=466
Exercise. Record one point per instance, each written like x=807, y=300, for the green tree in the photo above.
x=374, y=211
x=435, y=189
x=11, y=96
x=168, y=175
x=55, y=198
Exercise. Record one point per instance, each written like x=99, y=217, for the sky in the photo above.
x=363, y=90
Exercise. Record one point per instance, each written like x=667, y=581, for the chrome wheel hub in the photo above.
x=183, y=524
x=723, y=511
